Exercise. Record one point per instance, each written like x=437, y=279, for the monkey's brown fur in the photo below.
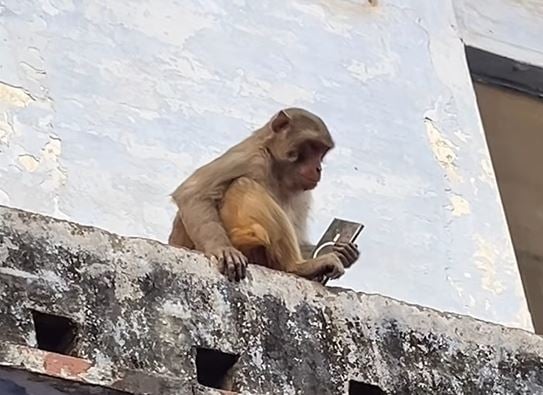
x=247, y=201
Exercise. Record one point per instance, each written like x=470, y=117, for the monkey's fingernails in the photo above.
x=234, y=261
x=229, y=265
x=231, y=272
x=241, y=269
x=244, y=265
x=244, y=271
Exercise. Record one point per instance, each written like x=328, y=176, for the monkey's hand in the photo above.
x=347, y=252
x=332, y=266
x=232, y=262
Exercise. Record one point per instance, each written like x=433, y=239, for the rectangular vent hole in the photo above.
x=54, y=333
x=360, y=388
x=214, y=368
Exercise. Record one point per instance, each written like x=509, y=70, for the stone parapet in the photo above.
x=83, y=307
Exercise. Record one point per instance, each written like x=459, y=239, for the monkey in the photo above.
x=252, y=202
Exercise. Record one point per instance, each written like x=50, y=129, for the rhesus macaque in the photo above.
x=252, y=202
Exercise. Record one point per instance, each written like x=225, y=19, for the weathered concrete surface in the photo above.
x=142, y=307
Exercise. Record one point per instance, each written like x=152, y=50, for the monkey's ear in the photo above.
x=280, y=121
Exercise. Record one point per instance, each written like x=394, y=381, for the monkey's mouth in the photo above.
x=309, y=183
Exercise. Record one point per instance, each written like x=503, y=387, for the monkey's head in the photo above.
x=298, y=141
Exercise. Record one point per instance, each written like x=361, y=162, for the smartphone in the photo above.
x=339, y=230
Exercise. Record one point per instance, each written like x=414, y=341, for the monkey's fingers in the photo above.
x=334, y=275
x=342, y=255
x=320, y=278
x=231, y=271
x=240, y=263
x=353, y=252
x=237, y=263
x=336, y=271
x=347, y=252
x=243, y=267
x=230, y=265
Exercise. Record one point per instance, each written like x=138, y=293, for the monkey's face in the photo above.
x=298, y=142
x=308, y=165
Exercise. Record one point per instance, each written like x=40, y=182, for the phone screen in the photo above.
x=339, y=230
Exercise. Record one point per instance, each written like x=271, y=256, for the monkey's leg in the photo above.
x=253, y=219
x=178, y=236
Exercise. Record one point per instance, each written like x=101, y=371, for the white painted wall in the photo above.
x=105, y=106
x=511, y=28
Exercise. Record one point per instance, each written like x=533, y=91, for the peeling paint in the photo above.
x=444, y=150
x=6, y=129
x=486, y=257
x=50, y=158
x=14, y=96
x=49, y=161
x=459, y=206
x=365, y=73
x=52, y=150
x=29, y=162
x=64, y=366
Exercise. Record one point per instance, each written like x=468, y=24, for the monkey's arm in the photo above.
x=198, y=199
x=307, y=251
x=199, y=195
x=324, y=266
x=199, y=214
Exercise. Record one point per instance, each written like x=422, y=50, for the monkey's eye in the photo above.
x=292, y=155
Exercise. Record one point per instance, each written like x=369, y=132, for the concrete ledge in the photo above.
x=142, y=309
